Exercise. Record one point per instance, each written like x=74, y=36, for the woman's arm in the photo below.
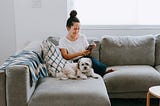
x=73, y=55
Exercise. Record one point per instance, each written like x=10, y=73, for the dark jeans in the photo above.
x=98, y=66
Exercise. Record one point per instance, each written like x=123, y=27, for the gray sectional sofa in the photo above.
x=135, y=59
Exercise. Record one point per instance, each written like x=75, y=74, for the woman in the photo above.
x=74, y=45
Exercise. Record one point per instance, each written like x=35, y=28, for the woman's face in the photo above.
x=74, y=29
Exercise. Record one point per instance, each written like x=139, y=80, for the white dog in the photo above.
x=82, y=69
x=85, y=68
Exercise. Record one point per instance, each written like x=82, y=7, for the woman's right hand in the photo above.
x=86, y=52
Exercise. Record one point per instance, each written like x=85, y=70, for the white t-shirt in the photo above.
x=74, y=46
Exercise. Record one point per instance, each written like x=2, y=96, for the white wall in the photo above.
x=20, y=24
x=7, y=29
x=39, y=23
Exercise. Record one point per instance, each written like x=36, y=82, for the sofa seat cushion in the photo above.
x=136, y=78
x=54, y=92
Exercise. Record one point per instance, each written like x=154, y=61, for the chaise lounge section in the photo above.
x=21, y=90
x=134, y=59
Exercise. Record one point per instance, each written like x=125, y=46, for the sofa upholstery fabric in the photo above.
x=157, y=68
x=54, y=40
x=133, y=81
x=127, y=50
x=135, y=59
x=141, y=76
x=157, y=57
x=18, y=85
x=70, y=93
x=2, y=88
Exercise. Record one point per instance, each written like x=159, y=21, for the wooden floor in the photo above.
x=133, y=102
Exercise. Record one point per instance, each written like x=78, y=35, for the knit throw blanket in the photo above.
x=31, y=59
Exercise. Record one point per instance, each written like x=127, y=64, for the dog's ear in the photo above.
x=90, y=62
x=78, y=64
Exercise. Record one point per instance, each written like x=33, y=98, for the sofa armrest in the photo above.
x=18, y=87
x=157, y=68
x=2, y=88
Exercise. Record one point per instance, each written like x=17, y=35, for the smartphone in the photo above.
x=90, y=47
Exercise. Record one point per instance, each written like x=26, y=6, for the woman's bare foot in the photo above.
x=109, y=70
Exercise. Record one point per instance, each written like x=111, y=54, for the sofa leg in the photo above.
x=148, y=99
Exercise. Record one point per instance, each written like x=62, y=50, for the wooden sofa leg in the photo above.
x=148, y=99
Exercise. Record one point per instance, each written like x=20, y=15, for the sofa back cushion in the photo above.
x=128, y=50
x=157, y=61
x=54, y=40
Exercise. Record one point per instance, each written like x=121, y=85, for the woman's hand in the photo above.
x=94, y=44
x=86, y=52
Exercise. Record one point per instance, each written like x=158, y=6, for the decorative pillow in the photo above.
x=52, y=57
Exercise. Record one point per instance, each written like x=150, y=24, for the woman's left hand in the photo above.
x=94, y=45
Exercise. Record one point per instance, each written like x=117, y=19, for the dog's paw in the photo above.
x=62, y=78
x=72, y=77
x=95, y=77
x=84, y=77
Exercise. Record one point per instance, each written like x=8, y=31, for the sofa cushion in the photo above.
x=157, y=68
x=54, y=40
x=53, y=92
x=157, y=61
x=128, y=50
x=52, y=57
x=132, y=78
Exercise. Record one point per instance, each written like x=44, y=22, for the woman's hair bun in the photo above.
x=72, y=18
x=73, y=13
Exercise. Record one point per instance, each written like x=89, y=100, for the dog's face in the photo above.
x=85, y=64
